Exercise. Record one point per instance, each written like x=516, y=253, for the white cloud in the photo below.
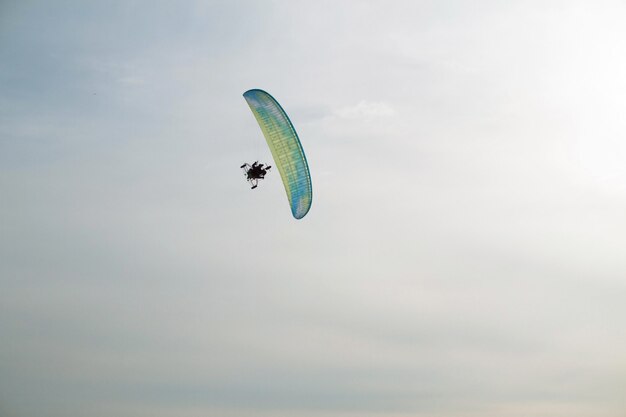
x=365, y=110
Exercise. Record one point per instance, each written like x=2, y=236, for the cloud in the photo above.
x=365, y=110
x=365, y=119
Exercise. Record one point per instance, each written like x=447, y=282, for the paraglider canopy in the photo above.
x=286, y=149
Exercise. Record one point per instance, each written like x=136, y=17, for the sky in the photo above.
x=463, y=256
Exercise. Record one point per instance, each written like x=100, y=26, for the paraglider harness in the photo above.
x=255, y=172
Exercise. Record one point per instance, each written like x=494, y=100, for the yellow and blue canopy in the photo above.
x=286, y=149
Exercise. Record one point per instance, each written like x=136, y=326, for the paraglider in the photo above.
x=255, y=172
x=286, y=150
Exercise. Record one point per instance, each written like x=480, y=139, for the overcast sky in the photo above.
x=464, y=255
